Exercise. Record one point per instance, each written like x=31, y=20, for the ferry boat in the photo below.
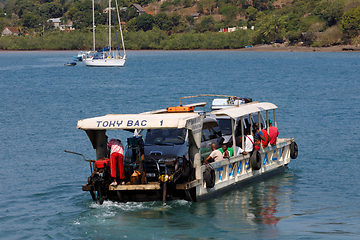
x=164, y=159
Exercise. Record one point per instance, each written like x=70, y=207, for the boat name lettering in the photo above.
x=220, y=170
x=247, y=164
x=109, y=123
x=130, y=123
x=266, y=160
x=239, y=164
x=231, y=170
x=195, y=125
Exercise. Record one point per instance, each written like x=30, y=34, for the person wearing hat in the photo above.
x=273, y=133
x=116, y=151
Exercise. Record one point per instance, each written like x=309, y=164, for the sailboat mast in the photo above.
x=122, y=38
x=110, y=26
x=93, y=9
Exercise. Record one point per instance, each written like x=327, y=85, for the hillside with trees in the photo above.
x=182, y=24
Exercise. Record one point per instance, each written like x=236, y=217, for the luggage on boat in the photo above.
x=101, y=163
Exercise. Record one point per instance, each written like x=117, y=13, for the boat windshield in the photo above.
x=165, y=136
x=225, y=126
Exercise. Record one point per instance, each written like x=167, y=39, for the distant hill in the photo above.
x=193, y=24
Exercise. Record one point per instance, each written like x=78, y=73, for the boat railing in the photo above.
x=237, y=168
x=106, y=54
x=100, y=55
x=116, y=54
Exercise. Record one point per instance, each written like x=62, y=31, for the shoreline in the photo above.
x=283, y=48
x=256, y=48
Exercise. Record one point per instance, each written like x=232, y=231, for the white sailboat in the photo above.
x=107, y=57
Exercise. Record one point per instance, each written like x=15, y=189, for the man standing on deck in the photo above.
x=116, y=151
x=273, y=133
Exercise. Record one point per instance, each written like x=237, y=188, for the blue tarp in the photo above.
x=104, y=49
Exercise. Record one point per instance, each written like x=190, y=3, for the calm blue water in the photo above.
x=41, y=100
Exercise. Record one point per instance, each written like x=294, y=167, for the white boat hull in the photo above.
x=236, y=171
x=229, y=174
x=107, y=62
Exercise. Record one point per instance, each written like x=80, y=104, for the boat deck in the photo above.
x=148, y=186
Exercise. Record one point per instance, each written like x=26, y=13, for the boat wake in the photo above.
x=140, y=206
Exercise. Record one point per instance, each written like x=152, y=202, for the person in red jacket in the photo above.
x=273, y=133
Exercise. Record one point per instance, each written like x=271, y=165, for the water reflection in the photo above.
x=261, y=207
x=254, y=210
x=252, y=206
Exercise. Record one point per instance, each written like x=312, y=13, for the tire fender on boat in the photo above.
x=293, y=150
x=209, y=176
x=255, y=160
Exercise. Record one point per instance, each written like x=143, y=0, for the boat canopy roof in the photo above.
x=245, y=109
x=190, y=121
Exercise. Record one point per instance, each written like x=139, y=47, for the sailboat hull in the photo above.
x=107, y=62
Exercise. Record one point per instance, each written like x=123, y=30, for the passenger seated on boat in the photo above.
x=248, y=145
x=215, y=155
x=258, y=136
x=240, y=151
x=225, y=151
x=249, y=141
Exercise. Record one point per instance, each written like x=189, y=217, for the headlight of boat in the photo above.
x=165, y=178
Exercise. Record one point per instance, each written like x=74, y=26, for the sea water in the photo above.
x=41, y=101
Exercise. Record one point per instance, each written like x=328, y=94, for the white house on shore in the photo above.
x=10, y=31
x=233, y=29
x=57, y=24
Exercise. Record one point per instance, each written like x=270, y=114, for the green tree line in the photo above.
x=311, y=22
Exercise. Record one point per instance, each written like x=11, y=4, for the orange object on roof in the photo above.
x=180, y=109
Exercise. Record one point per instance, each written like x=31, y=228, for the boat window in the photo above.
x=247, y=122
x=206, y=134
x=238, y=125
x=210, y=131
x=165, y=136
x=225, y=126
x=255, y=119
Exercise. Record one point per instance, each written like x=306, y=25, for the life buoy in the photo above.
x=255, y=160
x=209, y=176
x=293, y=150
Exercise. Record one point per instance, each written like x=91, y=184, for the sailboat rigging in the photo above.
x=107, y=57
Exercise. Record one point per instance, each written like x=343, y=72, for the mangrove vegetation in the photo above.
x=180, y=24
